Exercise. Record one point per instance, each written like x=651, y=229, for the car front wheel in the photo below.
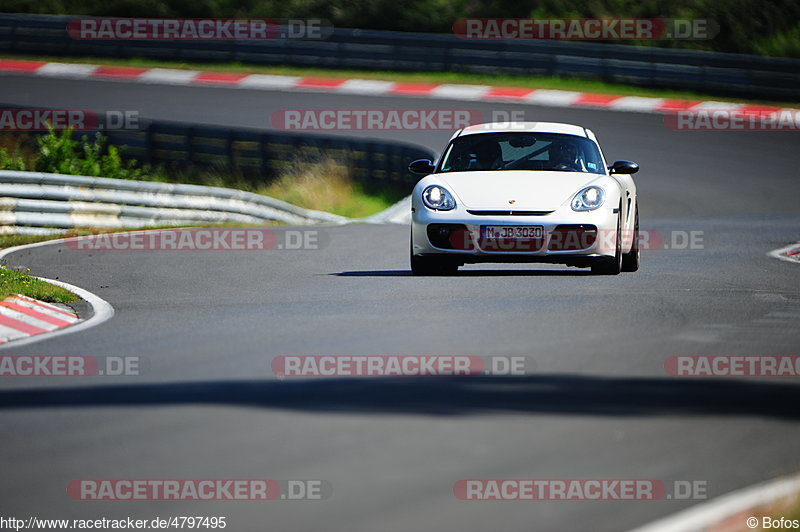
x=613, y=266
x=631, y=260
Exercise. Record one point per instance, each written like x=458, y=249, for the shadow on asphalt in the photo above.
x=452, y=396
x=471, y=273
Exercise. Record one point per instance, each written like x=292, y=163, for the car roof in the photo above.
x=527, y=127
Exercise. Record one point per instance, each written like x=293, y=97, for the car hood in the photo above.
x=530, y=190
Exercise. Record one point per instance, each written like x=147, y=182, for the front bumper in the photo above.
x=566, y=237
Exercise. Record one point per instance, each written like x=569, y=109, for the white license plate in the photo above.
x=511, y=231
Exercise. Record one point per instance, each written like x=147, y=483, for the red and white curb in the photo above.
x=789, y=253
x=24, y=320
x=22, y=316
x=729, y=512
x=488, y=93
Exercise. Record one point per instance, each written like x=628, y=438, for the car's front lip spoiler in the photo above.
x=570, y=260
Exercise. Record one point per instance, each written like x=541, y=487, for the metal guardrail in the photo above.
x=39, y=203
x=263, y=154
x=718, y=73
x=266, y=153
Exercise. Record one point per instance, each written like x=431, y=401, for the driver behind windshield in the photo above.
x=523, y=151
x=486, y=155
x=564, y=156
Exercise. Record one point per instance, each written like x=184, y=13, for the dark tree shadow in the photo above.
x=453, y=396
x=471, y=273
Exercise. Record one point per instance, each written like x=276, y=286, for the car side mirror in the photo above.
x=623, y=167
x=421, y=166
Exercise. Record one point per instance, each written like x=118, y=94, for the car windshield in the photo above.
x=522, y=151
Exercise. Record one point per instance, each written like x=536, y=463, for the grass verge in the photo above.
x=14, y=282
x=326, y=186
x=528, y=82
x=788, y=509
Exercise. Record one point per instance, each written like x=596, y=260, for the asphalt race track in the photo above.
x=597, y=403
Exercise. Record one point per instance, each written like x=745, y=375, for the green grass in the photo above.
x=326, y=186
x=9, y=241
x=528, y=82
x=15, y=282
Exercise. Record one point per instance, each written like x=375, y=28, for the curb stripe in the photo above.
x=14, y=65
x=101, y=310
x=54, y=313
x=555, y=98
x=416, y=89
x=319, y=83
x=460, y=92
x=119, y=72
x=44, y=305
x=7, y=334
x=66, y=70
x=22, y=317
x=27, y=319
x=168, y=76
x=21, y=326
x=597, y=100
x=34, y=314
x=507, y=93
x=222, y=78
x=365, y=86
x=673, y=106
x=267, y=82
x=457, y=92
x=636, y=103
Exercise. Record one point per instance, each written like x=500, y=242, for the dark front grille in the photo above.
x=509, y=213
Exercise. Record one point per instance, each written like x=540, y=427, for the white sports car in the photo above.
x=524, y=192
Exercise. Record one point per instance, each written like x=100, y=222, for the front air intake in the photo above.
x=509, y=213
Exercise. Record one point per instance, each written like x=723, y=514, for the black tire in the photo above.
x=421, y=265
x=632, y=259
x=614, y=266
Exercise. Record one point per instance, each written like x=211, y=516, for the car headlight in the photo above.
x=588, y=199
x=438, y=198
